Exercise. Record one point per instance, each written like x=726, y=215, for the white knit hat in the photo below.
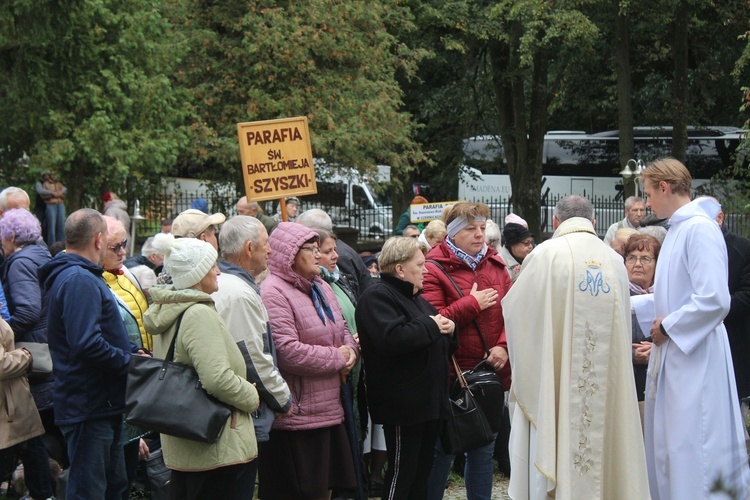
x=187, y=260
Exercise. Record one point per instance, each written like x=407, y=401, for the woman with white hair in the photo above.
x=203, y=470
x=20, y=232
x=432, y=235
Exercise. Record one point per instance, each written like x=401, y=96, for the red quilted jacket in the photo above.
x=440, y=292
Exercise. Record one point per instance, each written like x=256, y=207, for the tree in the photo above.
x=86, y=87
x=267, y=59
x=528, y=45
x=624, y=90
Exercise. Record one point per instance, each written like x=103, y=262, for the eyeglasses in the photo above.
x=313, y=250
x=632, y=259
x=119, y=246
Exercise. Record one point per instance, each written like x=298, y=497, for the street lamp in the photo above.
x=134, y=220
x=633, y=168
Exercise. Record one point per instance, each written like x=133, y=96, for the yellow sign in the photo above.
x=277, y=158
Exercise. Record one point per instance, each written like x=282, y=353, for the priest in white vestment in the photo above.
x=575, y=428
x=694, y=432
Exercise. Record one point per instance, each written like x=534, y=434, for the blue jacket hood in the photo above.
x=62, y=261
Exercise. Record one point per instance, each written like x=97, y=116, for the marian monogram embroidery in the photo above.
x=593, y=281
x=587, y=387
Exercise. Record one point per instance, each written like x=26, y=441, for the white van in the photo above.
x=351, y=200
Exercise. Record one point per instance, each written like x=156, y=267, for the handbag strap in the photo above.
x=460, y=294
x=460, y=375
x=170, y=352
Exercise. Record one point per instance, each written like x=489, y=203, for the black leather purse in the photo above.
x=488, y=392
x=167, y=397
x=466, y=427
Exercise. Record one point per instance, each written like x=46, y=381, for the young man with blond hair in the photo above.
x=693, y=428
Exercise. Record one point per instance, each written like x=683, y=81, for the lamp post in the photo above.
x=633, y=168
x=134, y=220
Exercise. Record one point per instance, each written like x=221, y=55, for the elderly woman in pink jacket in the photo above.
x=308, y=452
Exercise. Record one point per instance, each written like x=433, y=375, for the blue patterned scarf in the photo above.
x=319, y=301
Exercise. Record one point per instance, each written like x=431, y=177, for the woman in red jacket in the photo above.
x=466, y=281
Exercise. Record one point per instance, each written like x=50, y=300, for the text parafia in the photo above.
x=271, y=136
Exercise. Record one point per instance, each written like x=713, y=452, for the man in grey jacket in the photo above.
x=244, y=247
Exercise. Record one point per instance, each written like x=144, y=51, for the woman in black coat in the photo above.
x=406, y=347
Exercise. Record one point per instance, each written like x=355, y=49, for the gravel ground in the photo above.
x=457, y=491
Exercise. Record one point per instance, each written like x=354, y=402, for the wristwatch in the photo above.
x=663, y=331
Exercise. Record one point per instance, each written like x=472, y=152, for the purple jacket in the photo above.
x=307, y=348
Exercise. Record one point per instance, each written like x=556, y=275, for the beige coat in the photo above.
x=19, y=418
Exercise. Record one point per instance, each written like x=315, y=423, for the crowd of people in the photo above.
x=624, y=360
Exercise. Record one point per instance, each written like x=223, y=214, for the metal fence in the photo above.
x=607, y=211
x=163, y=204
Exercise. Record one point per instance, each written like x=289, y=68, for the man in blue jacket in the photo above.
x=90, y=351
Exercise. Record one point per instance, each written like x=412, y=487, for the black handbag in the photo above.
x=466, y=428
x=167, y=397
x=488, y=392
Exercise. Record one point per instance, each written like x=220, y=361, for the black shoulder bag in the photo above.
x=466, y=428
x=161, y=394
x=482, y=380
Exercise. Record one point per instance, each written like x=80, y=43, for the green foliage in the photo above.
x=115, y=95
x=588, y=91
x=87, y=90
x=333, y=61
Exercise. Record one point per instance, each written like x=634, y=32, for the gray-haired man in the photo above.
x=244, y=247
x=635, y=210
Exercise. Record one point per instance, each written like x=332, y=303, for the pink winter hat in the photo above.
x=514, y=219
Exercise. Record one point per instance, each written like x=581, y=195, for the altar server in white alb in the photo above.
x=575, y=428
x=693, y=428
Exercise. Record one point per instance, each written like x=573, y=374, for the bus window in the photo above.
x=574, y=157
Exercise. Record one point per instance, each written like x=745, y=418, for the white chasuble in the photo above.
x=575, y=429
x=694, y=431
